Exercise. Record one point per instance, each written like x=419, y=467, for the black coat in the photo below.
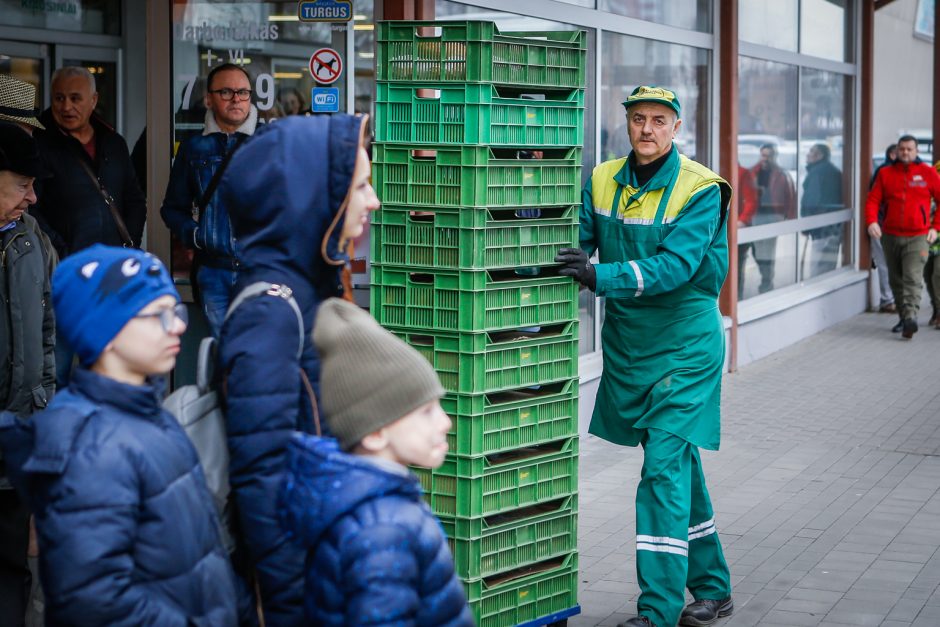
x=70, y=205
x=27, y=326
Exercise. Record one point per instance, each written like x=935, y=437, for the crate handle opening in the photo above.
x=417, y=277
x=428, y=32
x=421, y=216
x=527, y=512
x=424, y=154
x=421, y=340
x=428, y=94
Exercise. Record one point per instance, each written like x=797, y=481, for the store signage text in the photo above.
x=325, y=11
x=233, y=31
x=65, y=8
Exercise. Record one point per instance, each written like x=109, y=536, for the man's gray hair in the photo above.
x=71, y=71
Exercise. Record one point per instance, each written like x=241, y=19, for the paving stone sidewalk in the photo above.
x=826, y=488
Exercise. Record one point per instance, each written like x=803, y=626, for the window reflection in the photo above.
x=823, y=29
x=631, y=61
x=691, y=14
x=769, y=23
x=766, y=265
x=825, y=249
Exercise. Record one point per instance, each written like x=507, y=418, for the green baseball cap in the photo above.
x=651, y=93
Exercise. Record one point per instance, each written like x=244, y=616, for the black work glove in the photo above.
x=575, y=264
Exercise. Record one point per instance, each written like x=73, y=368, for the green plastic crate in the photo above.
x=471, y=238
x=513, y=543
x=525, y=595
x=475, y=176
x=494, y=423
x=483, y=486
x=470, y=300
x=476, y=52
x=483, y=363
x=477, y=114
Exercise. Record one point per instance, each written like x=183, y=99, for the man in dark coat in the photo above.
x=822, y=193
x=89, y=162
x=27, y=341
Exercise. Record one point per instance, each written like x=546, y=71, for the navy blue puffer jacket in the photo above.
x=128, y=534
x=285, y=191
x=376, y=555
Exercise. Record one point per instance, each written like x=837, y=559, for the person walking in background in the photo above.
x=886, y=302
x=658, y=223
x=27, y=345
x=822, y=193
x=747, y=208
x=192, y=208
x=375, y=552
x=905, y=188
x=128, y=532
x=776, y=202
x=297, y=193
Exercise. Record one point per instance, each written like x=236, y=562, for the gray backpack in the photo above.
x=198, y=408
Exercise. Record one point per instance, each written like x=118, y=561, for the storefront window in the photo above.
x=274, y=47
x=95, y=17
x=766, y=265
x=631, y=61
x=823, y=26
x=691, y=14
x=769, y=23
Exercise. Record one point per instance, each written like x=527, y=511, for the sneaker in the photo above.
x=706, y=612
x=637, y=621
x=888, y=308
x=909, y=328
x=897, y=328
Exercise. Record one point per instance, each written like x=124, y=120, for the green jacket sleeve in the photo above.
x=678, y=257
x=586, y=237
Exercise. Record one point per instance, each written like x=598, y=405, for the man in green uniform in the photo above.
x=657, y=221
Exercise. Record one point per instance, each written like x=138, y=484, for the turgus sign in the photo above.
x=325, y=11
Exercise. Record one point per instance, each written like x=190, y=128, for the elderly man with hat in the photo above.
x=27, y=343
x=658, y=223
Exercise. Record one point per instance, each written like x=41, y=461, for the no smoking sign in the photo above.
x=325, y=66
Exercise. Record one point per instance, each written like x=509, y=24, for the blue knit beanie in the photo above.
x=96, y=291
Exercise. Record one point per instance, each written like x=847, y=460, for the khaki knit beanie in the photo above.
x=368, y=377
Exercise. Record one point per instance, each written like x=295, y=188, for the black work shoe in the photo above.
x=897, y=328
x=909, y=328
x=637, y=621
x=706, y=612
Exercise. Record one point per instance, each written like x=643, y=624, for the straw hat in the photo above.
x=17, y=101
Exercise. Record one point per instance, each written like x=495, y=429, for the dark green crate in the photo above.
x=476, y=52
x=525, y=595
x=477, y=114
x=470, y=300
x=483, y=363
x=532, y=536
x=475, y=176
x=494, y=423
x=477, y=238
x=483, y=486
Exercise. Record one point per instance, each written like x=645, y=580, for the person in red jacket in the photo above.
x=905, y=188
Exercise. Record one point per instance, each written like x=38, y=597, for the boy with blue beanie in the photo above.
x=376, y=555
x=128, y=532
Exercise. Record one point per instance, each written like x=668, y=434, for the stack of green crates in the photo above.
x=477, y=162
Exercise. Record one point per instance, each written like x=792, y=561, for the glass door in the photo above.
x=105, y=66
x=28, y=62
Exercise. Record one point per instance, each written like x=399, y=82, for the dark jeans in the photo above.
x=14, y=573
x=215, y=286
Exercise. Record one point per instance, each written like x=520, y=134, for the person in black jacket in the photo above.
x=89, y=162
x=822, y=193
x=27, y=338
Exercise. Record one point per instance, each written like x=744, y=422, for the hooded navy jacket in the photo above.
x=128, y=534
x=376, y=555
x=285, y=190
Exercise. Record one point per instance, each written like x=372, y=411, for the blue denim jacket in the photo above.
x=196, y=163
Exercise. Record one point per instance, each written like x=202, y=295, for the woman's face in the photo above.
x=362, y=198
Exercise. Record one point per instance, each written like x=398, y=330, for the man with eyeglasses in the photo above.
x=192, y=209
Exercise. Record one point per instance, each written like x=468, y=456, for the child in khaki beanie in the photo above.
x=375, y=552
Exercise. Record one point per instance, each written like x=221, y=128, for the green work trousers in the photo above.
x=677, y=545
x=906, y=257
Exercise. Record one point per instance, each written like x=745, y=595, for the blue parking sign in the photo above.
x=324, y=100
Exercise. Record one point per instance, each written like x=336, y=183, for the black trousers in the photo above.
x=14, y=572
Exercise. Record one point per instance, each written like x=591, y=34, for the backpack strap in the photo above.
x=271, y=289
